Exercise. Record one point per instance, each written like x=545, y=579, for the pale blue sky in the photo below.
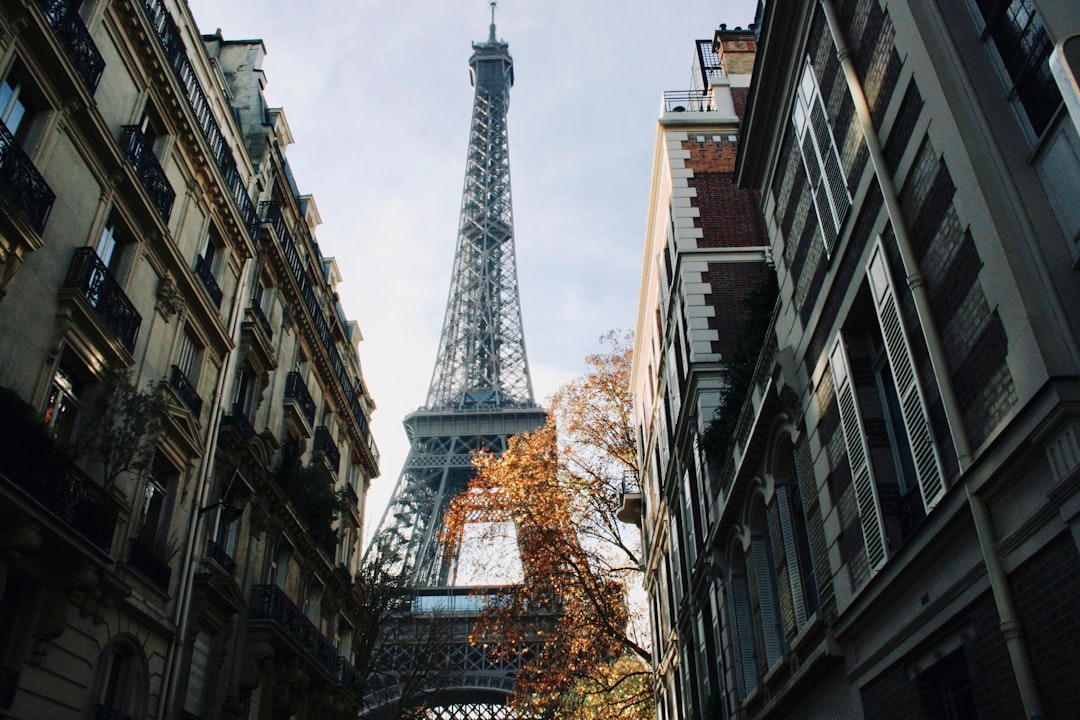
x=377, y=95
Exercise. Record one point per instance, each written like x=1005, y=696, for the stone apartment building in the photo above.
x=894, y=531
x=149, y=223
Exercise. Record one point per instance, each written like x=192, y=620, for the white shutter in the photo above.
x=912, y=401
x=791, y=550
x=768, y=606
x=737, y=599
x=862, y=475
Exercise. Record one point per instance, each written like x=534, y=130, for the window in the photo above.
x=63, y=403
x=311, y=601
x=895, y=466
x=246, y=394
x=211, y=254
x=1015, y=30
x=208, y=264
x=112, y=245
x=155, y=508
x=945, y=689
x=122, y=681
x=187, y=356
x=149, y=129
x=821, y=160
x=278, y=570
x=13, y=108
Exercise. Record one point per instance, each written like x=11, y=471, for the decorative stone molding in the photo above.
x=1063, y=451
x=169, y=300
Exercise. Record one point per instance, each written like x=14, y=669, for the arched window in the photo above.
x=764, y=595
x=121, y=681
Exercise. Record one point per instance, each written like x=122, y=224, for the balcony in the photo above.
x=89, y=275
x=325, y=446
x=206, y=274
x=168, y=35
x=218, y=554
x=64, y=20
x=677, y=101
x=269, y=602
x=296, y=394
x=141, y=156
x=239, y=419
x=22, y=184
x=186, y=391
x=260, y=317
x=349, y=678
x=150, y=565
x=30, y=461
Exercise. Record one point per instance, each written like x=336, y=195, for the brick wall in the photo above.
x=730, y=284
x=1047, y=592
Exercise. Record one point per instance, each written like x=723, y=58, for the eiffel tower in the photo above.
x=480, y=395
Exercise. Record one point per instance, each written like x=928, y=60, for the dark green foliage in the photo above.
x=122, y=428
x=310, y=489
x=739, y=370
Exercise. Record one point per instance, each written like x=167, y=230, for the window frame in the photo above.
x=807, y=101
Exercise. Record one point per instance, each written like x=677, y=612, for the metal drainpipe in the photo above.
x=202, y=488
x=1009, y=623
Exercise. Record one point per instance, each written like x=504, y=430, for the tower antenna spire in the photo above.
x=491, y=32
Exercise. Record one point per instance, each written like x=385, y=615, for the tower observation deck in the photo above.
x=481, y=392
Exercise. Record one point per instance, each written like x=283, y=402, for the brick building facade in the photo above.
x=705, y=254
x=894, y=530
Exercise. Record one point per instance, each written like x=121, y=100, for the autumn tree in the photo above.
x=560, y=488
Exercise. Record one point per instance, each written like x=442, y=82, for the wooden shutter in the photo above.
x=737, y=599
x=912, y=400
x=773, y=633
x=862, y=475
x=791, y=551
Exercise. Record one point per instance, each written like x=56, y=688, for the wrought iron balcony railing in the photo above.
x=206, y=274
x=686, y=101
x=92, y=278
x=137, y=150
x=270, y=214
x=186, y=391
x=261, y=318
x=168, y=36
x=269, y=602
x=22, y=184
x=296, y=392
x=240, y=420
x=218, y=554
x=350, y=678
x=325, y=446
x=149, y=564
x=64, y=20
x=29, y=459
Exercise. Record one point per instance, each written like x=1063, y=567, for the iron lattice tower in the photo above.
x=480, y=393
